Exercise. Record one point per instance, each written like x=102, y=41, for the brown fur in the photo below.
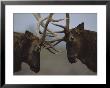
x=88, y=49
x=83, y=46
x=23, y=51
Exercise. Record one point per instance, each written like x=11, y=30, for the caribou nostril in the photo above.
x=34, y=66
x=72, y=59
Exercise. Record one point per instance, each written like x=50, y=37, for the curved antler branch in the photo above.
x=59, y=25
x=40, y=22
x=59, y=31
x=55, y=40
x=56, y=20
x=66, y=30
x=45, y=28
x=67, y=21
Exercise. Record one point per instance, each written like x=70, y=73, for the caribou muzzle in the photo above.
x=72, y=59
x=35, y=68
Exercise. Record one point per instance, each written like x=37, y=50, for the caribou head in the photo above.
x=27, y=46
x=80, y=44
x=71, y=39
x=30, y=51
x=73, y=43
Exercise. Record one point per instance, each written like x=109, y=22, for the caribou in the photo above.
x=80, y=44
x=27, y=46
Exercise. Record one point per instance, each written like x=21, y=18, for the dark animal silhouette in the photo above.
x=80, y=44
x=27, y=48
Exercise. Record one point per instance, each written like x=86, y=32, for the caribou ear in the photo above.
x=80, y=28
x=28, y=35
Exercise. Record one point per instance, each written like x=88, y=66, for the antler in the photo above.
x=41, y=23
x=43, y=42
x=46, y=44
x=67, y=21
x=45, y=28
x=66, y=30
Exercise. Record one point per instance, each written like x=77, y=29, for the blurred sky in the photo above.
x=25, y=21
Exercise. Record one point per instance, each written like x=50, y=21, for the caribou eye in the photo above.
x=72, y=38
x=36, y=49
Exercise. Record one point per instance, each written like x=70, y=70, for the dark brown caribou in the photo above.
x=27, y=47
x=80, y=44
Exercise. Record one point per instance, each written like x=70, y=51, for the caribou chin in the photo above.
x=27, y=46
x=34, y=68
x=81, y=42
x=72, y=60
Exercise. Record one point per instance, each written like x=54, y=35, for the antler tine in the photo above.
x=43, y=25
x=49, y=35
x=46, y=25
x=38, y=17
x=59, y=25
x=56, y=20
x=59, y=31
x=49, y=46
x=55, y=40
x=52, y=47
x=50, y=50
x=67, y=21
x=66, y=30
x=40, y=22
x=67, y=24
x=58, y=42
x=52, y=20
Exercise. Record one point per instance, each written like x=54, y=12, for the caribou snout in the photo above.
x=72, y=59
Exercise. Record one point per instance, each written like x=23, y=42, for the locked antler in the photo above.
x=65, y=30
x=45, y=28
x=40, y=22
